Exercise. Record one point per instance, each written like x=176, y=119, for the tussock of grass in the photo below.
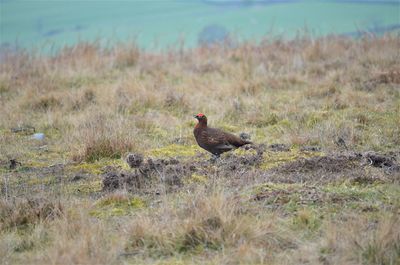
x=25, y=212
x=209, y=224
x=102, y=140
x=117, y=204
x=379, y=246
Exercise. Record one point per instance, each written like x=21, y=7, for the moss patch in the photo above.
x=175, y=150
x=365, y=198
x=85, y=188
x=117, y=205
x=96, y=167
x=274, y=159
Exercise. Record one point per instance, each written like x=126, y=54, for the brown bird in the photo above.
x=215, y=140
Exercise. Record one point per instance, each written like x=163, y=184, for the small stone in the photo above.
x=38, y=136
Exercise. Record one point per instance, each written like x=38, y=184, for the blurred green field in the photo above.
x=49, y=25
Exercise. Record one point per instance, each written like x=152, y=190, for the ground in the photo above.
x=118, y=177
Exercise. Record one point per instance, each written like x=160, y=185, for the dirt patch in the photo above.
x=330, y=164
x=234, y=162
x=242, y=166
x=283, y=195
x=354, y=166
x=148, y=174
x=377, y=160
x=171, y=172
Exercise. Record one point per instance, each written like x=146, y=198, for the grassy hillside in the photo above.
x=319, y=186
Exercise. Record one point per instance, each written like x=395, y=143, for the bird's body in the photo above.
x=215, y=140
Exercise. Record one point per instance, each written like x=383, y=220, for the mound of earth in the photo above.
x=333, y=167
x=148, y=173
x=170, y=173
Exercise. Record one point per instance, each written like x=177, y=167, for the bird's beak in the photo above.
x=195, y=116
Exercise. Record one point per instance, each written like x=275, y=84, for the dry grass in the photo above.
x=95, y=105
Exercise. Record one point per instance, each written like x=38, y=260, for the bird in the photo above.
x=215, y=140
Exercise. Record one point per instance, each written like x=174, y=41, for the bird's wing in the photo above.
x=235, y=140
x=214, y=136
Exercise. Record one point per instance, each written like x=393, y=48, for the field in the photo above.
x=320, y=184
x=156, y=25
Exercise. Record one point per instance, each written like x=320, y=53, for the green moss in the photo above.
x=117, y=201
x=115, y=205
x=285, y=123
x=86, y=187
x=373, y=194
x=97, y=166
x=91, y=168
x=364, y=198
x=274, y=159
x=175, y=150
x=260, y=135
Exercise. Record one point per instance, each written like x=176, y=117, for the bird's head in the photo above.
x=200, y=117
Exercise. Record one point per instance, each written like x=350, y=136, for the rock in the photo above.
x=38, y=136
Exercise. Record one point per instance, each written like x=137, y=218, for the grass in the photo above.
x=96, y=105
